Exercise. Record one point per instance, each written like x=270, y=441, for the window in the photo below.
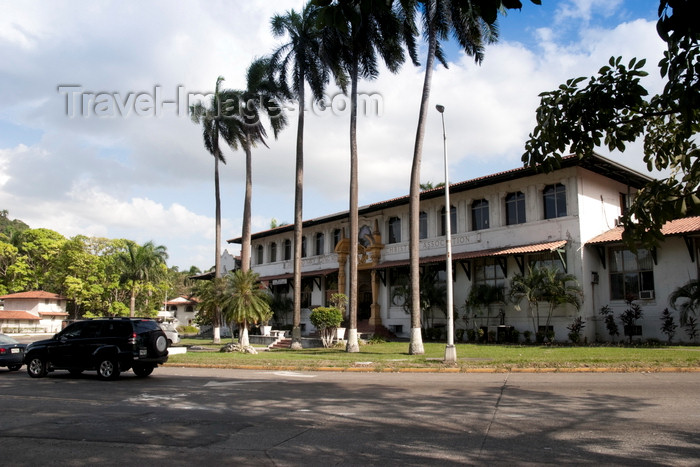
x=480, y=214
x=453, y=220
x=320, y=244
x=394, y=230
x=488, y=271
x=273, y=252
x=550, y=259
x=515, y=208
x=259, y=257
x=287, y=250
x=423, y=225
x=624, y=204
x=554, y=201
x=364, y=235
x=400, y=285
x=303, y=247
x=631, y=276
x=307, y=288
x=336, y=237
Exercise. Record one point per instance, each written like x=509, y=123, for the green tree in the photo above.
x=247, y=302
x=212, y=296
x=440, y=18
x=326, y=320
x=612, y=108
x=15, y=273
x=139, y=265
x=357, y=33
x=542, y=284
x=296, y=63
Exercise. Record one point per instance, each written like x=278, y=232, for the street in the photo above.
x=195, y=416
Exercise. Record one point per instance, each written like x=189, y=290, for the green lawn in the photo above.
x=393, y=356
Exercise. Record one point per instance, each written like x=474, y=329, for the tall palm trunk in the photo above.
x=132, y=301
x=217, y=248
x=298, y=217
x=353, y=345
x=415, y=346
x=245, y=234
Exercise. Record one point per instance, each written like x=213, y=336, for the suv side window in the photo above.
x=145, y=326
x=91, y=330
x=116, y=329
x=73, y=331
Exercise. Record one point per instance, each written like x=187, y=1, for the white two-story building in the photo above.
x=501, y=224
x=33, y=311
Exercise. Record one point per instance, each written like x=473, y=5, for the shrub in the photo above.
x=575, y=329
x=326, y=320
x=668, y=326
x=610, y=323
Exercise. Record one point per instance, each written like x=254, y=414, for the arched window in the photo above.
x=480, y=214
x=303, y=247
x=453, y=220
x=515, y=208
x=273, y=252
x=336, y=237
x=554, y=197
x=423, y=225
x=287, y=250
x=320, y=247
x=394, y=230
x=259, y=258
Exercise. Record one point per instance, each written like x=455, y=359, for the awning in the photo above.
x=503, y=251
x=289, y=275
x=687, y=225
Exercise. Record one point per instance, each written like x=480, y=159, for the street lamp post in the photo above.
x=450, y=350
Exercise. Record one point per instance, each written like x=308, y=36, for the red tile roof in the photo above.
x=674, y=227
x=53, y=313
x=36, y=294
x=25, y=315
x=503, y=251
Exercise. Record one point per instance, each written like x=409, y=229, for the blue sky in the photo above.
x=140, y=173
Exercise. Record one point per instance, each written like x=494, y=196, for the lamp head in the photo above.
x=440, y=108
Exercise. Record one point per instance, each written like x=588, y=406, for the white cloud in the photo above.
x=150, y=177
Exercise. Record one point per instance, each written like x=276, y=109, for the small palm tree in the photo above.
x=247, y=301
x=543, y=284
x=686, y=300
x=139, y=264
x=212, y=295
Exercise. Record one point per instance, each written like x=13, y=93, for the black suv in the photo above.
x=108, y=345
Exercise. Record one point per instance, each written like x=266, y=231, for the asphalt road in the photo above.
x=193, y=416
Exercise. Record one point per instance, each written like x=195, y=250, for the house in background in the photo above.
x=180, y=311
x=33, y=311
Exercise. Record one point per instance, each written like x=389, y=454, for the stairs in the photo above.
x=283, y=343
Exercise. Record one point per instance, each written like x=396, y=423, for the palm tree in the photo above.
x=355, y=32
x=686, y=299
x=212, y=296
x=440, y=18
x=214, y=127
x=139, y=264
x=300, y=56
x=247, y=301
x=543, y=284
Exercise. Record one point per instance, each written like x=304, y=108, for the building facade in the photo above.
x=502, y=225
x=33, y=311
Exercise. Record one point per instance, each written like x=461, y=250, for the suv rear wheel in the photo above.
x=143, y=370
x=108, y=368
x=37, y=367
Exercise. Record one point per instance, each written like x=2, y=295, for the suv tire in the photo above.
x=108, y=368
x=161, y=344
x=37, y=367
x=143, y=370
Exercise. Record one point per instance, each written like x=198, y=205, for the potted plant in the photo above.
x=340, y=302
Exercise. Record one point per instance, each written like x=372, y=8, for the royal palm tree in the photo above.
x=214, y=128
x=297, y=63
x=247, y=301
x=139, y=264
x=686, y=299
x=356, y=34
x=440, y=18
x=244, y=111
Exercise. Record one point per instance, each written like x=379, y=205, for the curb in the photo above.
x=366, y=369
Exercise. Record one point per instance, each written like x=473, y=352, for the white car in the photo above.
x=171, y=333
